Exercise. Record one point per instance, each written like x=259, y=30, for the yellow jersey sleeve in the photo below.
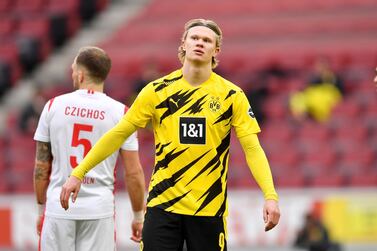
x=243, y=121
x=142, y=110
x=258, y=164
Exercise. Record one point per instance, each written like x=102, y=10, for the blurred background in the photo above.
x=306, y=66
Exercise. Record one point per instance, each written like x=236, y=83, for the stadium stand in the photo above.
x=30, y=31
x=341, y=152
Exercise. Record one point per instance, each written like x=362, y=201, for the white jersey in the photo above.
x=73, y=123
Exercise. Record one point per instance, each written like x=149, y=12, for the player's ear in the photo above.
x=80, y=76
x=217, y=51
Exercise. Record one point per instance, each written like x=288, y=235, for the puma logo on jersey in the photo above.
x=174, y=102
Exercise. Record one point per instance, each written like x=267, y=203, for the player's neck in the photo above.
x=92, y=86
x=196, y=75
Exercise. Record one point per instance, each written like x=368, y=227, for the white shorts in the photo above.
x=77, y=235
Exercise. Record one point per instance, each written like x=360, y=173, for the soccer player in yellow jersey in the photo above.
x=192, y=111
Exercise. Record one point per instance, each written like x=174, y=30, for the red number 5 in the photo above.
x=76, y=141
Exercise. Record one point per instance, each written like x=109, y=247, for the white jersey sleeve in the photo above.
x=131, y=143
x=42, y=132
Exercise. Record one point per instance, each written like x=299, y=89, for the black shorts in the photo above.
x=164, y=231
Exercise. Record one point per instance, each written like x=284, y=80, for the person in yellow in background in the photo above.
x=192, y=111
x=320, y=97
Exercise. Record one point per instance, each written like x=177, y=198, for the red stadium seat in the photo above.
x=320, y=153
x=37, y=27
x=4, y=186
x=310, y=130
x=350, y=136
x=277, y=132
x=276, y=107
x=361, y=155
x=9, y=54
x=366, y=180
x=6, y=6
x=348, y=108
x=371, y=108
x=102, y=4
x=7, y=26
x=69, y=9
x=290, y=181
x=287, y=157
x=29, y=6
x=334, y=180
x=21, y=181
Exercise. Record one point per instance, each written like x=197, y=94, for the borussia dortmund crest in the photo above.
x=214, y=104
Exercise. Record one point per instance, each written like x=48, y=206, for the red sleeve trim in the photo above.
x=50, y=103
x=125, y=109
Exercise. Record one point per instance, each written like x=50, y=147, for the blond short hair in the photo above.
x=206, y=23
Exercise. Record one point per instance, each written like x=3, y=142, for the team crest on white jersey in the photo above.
x=214, y=104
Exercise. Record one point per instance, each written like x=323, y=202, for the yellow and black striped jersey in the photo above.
x=192, y=128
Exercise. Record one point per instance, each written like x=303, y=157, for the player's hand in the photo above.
x=271, y=214
x=137, y=228
x=72, y=185
x=39, y=224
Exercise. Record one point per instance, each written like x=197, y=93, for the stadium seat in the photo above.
x=361, y=155
x=287, y=157
x=68, y=11
x=320, y=157
x=102, y=4
x=366, y=180
x=9, y=54
x=290, y=181
x=7, y=26
x=330, y=180
x=21, y=181
x=25, y=7
x=313, y=132
x=38, y=28
x=352, y=169
x=5, y=6
x=347, y=108
x=277, y=131
x=371, y=108
x=275, y=107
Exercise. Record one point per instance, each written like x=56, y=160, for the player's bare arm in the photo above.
x=71, y=186
x=42, y=170
x=271, y=214
x=135, y=184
